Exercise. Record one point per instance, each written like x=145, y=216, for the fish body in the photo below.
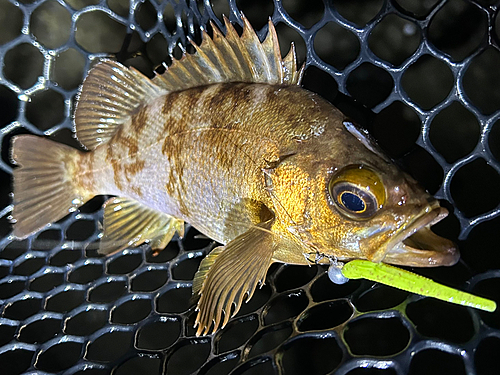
x=199, y=154
x=228, y=141
x=203, y=155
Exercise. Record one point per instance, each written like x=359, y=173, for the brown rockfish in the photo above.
x=227, y=140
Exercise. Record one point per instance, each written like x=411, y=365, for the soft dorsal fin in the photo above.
x=109, y=95
x=232, y=58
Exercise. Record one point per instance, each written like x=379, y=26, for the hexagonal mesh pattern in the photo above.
x=424, y=78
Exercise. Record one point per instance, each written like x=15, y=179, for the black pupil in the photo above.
x=352, y=202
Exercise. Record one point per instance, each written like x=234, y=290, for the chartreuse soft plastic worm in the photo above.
x=405, y=280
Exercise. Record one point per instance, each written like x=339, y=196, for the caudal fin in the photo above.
x=44, y=188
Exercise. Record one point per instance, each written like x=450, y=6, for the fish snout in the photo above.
x=405, y=238
x=417, y=245
x=424, y=249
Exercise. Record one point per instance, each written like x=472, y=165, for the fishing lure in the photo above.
x=407, y=281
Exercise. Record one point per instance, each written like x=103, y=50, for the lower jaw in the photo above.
x=424, y=249
x=423, y=258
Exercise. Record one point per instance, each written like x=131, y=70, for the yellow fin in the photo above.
x=232, y=58
x=44, y=189
x=231, y=273
x=130, y=223
x=205, y=266
x=109, y=95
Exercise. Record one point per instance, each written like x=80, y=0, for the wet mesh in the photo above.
x=422, y=76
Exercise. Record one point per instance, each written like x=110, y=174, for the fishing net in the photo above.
x=422, y=76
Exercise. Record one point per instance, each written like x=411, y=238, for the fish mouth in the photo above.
x=416, y=245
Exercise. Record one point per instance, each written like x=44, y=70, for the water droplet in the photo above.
x=409, y=29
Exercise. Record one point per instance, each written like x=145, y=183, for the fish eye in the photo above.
x=357, y=191
x=354, y=200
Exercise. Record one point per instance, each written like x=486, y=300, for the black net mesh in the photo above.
x=422, y=76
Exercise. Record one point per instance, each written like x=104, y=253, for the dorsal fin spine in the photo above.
x=215, y=56
x=225, y=48
x=183, y=72
x=235, y=42
x=193, y=68
x=202, y=56
x=271, y=43
x=259, y=53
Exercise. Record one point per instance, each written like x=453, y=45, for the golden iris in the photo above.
x=357, y=191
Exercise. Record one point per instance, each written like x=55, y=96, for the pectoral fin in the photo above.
x=230, y=274
x=130, y=223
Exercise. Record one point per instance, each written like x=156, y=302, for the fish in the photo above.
x=227, y=140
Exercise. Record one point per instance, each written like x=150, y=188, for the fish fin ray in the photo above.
x=44, y=189
x=130, y=223
x=290, y=64
x=232, y=58
x=108, y=97
x=231, y=273
x=204, y=267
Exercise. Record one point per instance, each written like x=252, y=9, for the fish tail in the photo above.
x=45, y=189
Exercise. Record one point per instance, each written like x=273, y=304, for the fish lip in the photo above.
x=437, y=251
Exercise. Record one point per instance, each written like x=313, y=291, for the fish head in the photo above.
x=388, y=216
x=357, y=204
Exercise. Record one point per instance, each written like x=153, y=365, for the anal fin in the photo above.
x=130, y=223
x=230, y=275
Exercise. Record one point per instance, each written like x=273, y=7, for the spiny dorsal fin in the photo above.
x=109, y=95
x=232, y=58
